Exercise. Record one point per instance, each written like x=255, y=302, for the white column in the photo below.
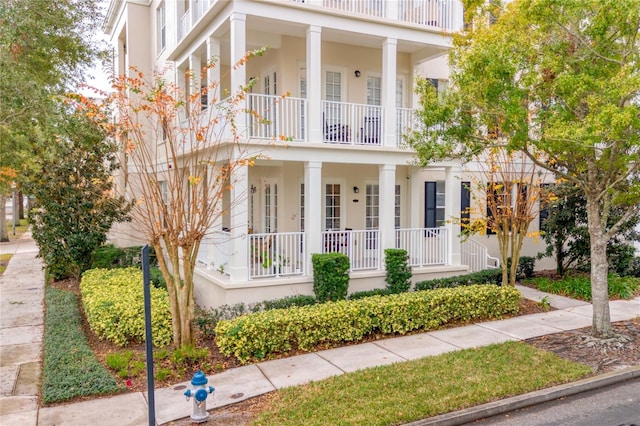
x=213, y=71
x=314, y=84
x=237, y=24
x=312, y=209
x=387, y=185
x=195, y=66
x=452, y=184
x=389, y=76
x=239, y=217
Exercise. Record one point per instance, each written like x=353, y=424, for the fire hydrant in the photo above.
x=199, y=392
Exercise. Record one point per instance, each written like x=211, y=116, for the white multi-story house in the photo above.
x=345, y=181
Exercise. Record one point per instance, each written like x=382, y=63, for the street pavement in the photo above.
x=21, y=337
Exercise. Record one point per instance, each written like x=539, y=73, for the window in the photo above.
x=399, y=93
x=302, y=207
x=374, y=90
x=372, y=206
x=434, y=199
x=332, y=206
x=270, y=207
x=161, y=24
x=333, y=86
x=397, y=208
x=465, y=204
x=544, y=206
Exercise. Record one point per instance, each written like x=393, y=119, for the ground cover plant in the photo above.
x=579, y=286
x=4, y=261
x=71, y=368
x=413, y=390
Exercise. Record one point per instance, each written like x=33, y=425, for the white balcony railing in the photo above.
x=362, y=247
x=443, y=15
x=192, y=15
x=406, y=123
x=425, y=246
x=364, y=7
x=276, y=255
x=354, y=124
x=476, y=256
x=277, y=117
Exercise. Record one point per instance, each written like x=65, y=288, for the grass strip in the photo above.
x=71, y=368
x=4, y=261
x=414, y=390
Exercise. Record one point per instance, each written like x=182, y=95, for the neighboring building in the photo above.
x=345, y=182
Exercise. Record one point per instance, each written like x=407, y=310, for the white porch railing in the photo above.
x=277, y=117
x=362, y=247
x=475, y=255
x=215, y=251
x=407, y=123
x=425, y=246
x=430, y=13
x=276, y=255
x=354, y=124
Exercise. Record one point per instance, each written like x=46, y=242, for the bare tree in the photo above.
x=183, y=151
x=510, y=186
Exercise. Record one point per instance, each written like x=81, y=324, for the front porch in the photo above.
x=278, y=255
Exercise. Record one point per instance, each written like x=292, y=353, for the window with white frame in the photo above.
x=302, y=207
x=374, y=90
x=333, y=200
x=161, y=24
x=270, y=207
x=372, y=206
x=399, y=93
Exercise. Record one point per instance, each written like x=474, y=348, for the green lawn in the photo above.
x=409, y=391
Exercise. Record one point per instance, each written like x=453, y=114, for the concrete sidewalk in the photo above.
x=22, y=292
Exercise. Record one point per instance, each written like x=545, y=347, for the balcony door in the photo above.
x=270, y=206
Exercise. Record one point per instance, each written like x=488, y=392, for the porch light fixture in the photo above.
x=253, y=189
x=356, y=189
x=357, y=73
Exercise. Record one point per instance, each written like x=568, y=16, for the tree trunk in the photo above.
x=4, y=234
x=599, y=270
x=180, y=290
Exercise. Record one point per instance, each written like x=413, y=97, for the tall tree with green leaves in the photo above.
x=74, y=202
x=45, y=49
x=560, y=81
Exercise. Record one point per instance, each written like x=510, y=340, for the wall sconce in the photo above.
x=253, y=189
x=357, y=73
x=356, y=189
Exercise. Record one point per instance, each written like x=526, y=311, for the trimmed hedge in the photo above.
x=113, y=301
x=330, y=276
x=261, y=334
x=398, y=271
x=488, y=276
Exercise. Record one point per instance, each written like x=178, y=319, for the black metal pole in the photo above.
x=148, y=339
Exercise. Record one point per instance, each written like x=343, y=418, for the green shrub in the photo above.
x=286, y=302
x=106, y=256
x=398, y=271
x=330, y=276
x=526, y=266
x=207, y=320
x=368, y=293
x=259, y=334
x=579, y=286
x=113, y=301
x=487, y=276
x=70, y=367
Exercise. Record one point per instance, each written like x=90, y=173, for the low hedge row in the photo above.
x=260, y=334
x=487, y=276
x=113, y=301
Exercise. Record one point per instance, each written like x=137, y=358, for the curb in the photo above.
x=533, y=398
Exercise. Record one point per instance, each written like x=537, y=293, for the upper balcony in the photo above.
x=436, y=15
